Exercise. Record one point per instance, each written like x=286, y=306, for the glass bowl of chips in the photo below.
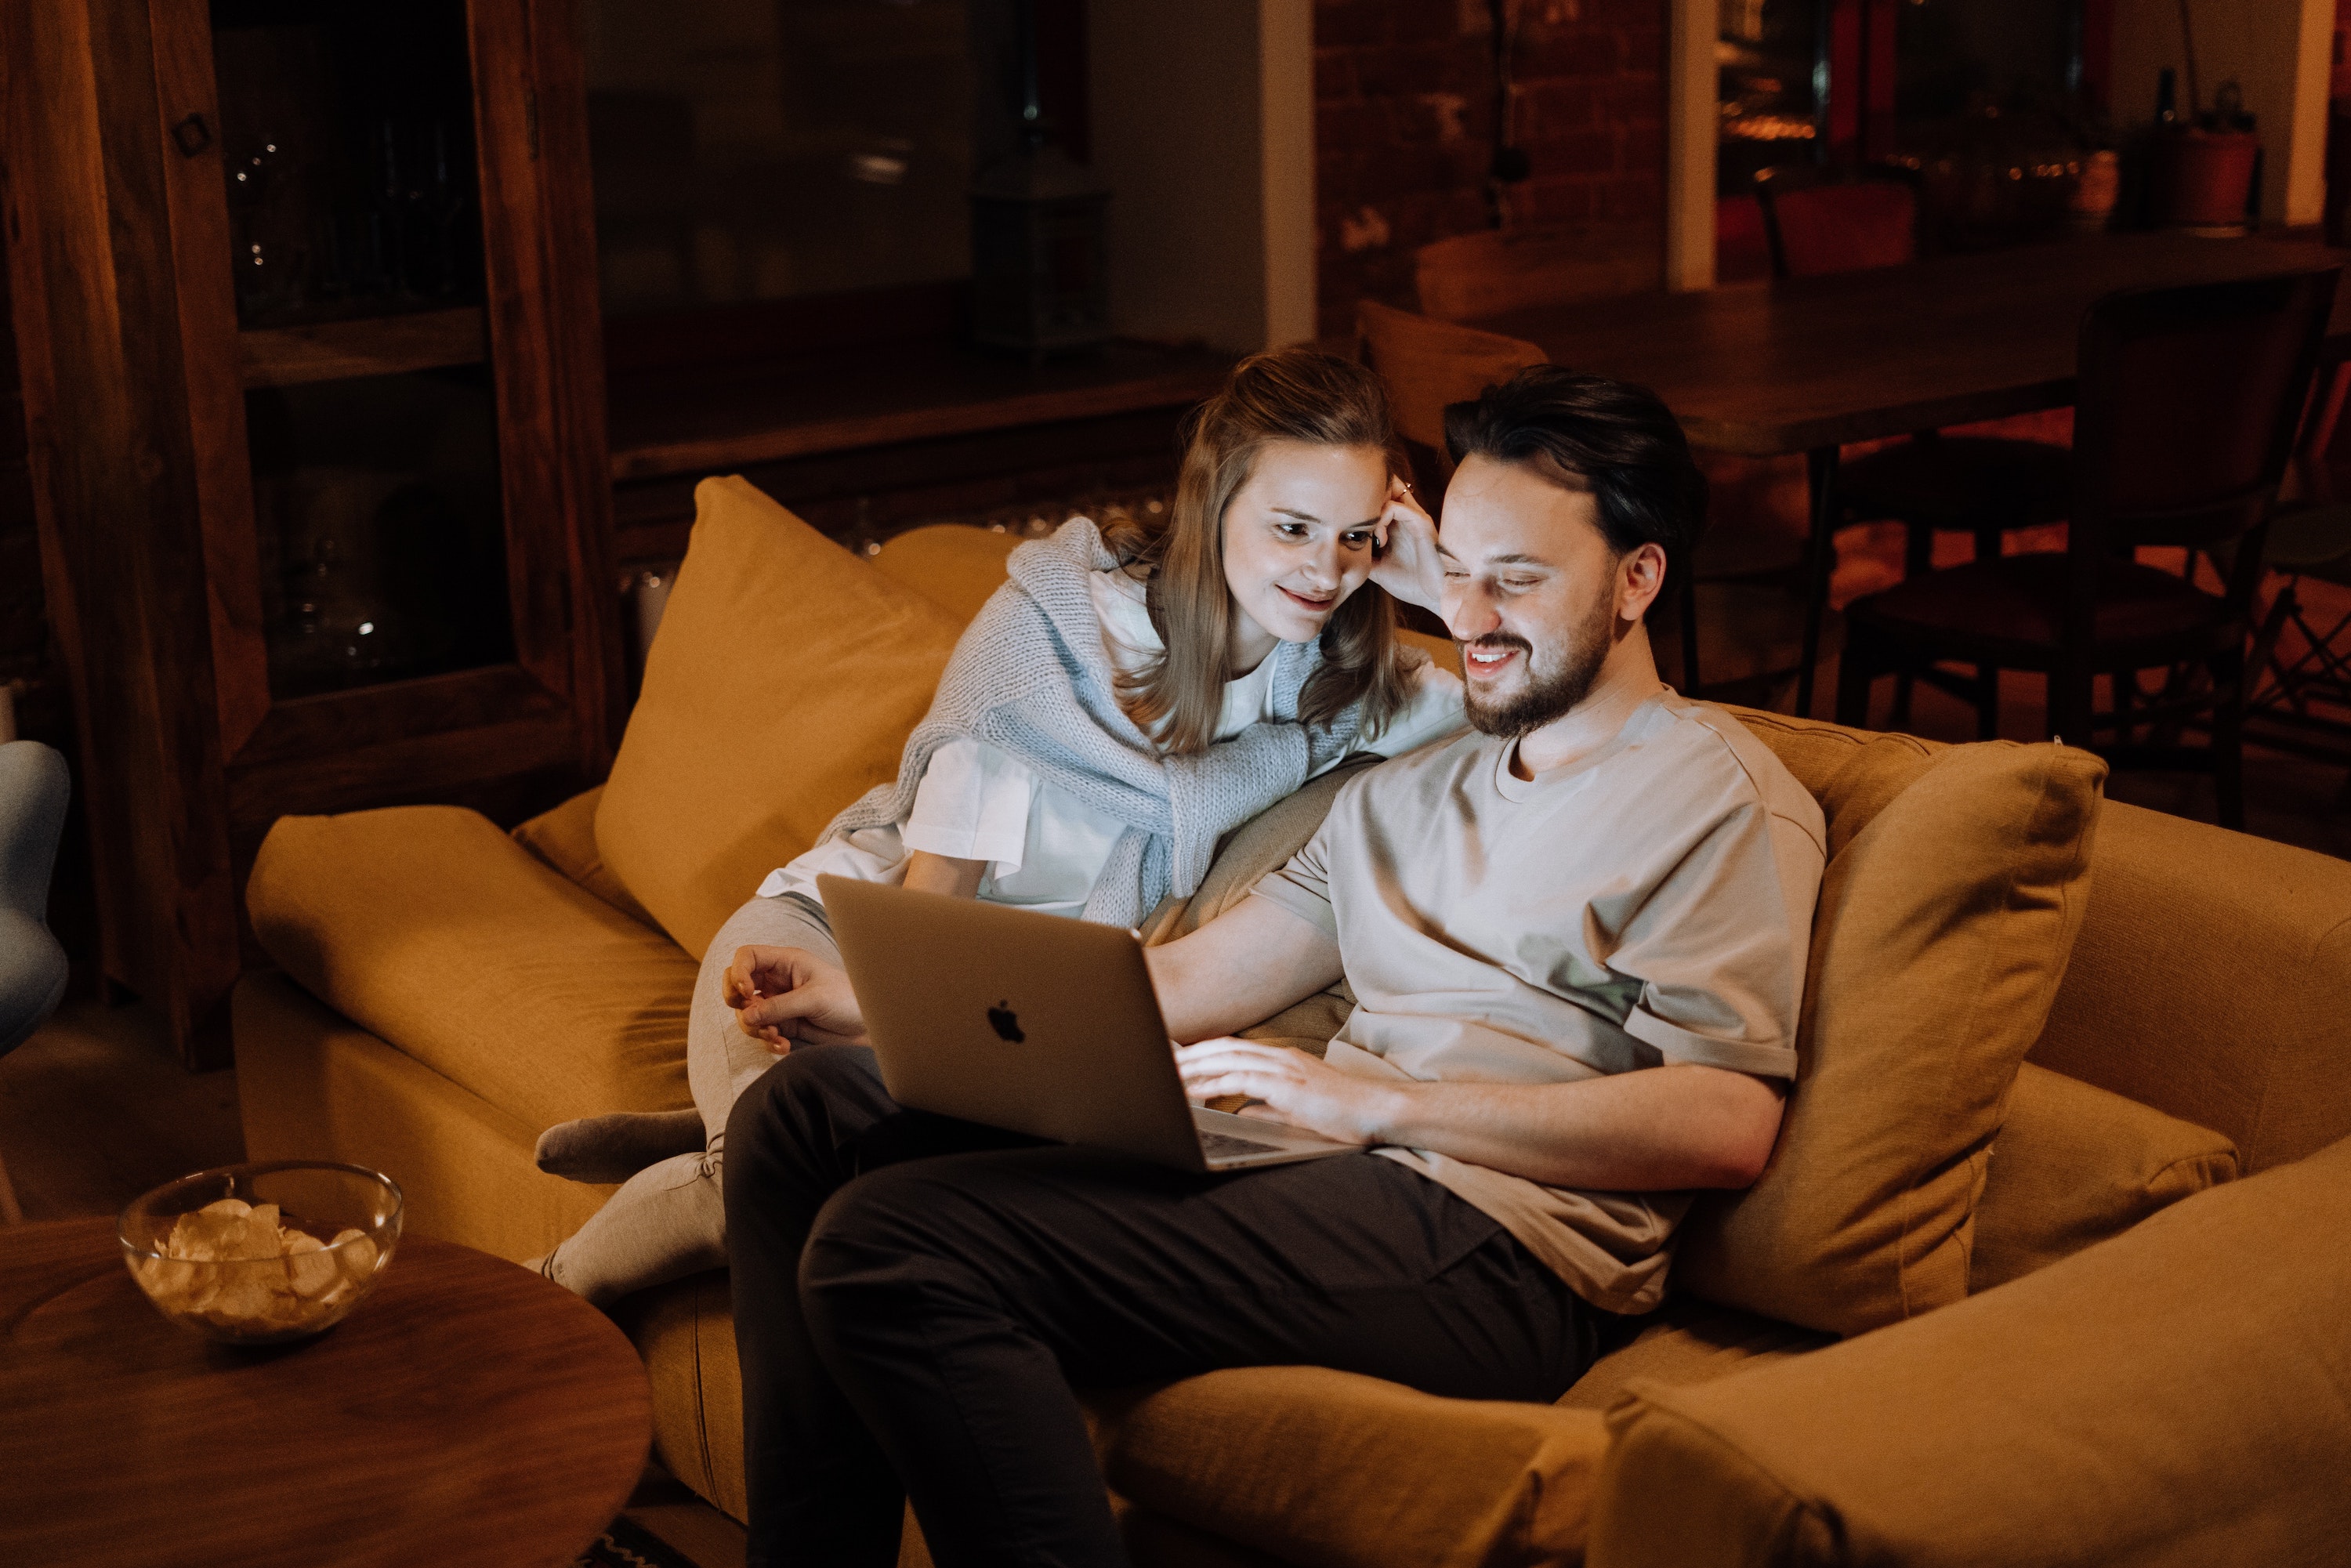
x=262, y=1253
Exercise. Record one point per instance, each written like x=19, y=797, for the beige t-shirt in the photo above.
x=1649, y=903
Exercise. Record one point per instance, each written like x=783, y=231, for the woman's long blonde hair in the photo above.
x=1289, y=395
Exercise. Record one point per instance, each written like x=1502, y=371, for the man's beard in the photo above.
x=1547, y=696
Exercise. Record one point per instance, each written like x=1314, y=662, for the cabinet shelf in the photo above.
x=370, y=346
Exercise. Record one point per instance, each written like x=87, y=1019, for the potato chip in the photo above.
x=358, y=1253
x=239, y=1267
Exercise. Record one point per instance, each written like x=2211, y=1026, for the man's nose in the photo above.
x=1468, y=611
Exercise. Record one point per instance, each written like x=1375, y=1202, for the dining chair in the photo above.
x=1429, y=363
x=1496, y=271
x=1819, y=223
x=1426, y=364
x=2190, y=402
x=33, y=785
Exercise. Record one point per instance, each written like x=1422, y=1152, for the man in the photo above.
x=1576, y=936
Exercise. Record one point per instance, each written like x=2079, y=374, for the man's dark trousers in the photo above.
x=915, y=1297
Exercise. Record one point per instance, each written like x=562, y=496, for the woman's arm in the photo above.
x=927, y=872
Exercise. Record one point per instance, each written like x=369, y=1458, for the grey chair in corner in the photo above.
x=33, y=785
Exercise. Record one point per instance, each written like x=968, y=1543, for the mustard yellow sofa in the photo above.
x=2053, y=1263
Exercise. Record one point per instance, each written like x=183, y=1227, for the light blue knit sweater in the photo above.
x=1030, y=676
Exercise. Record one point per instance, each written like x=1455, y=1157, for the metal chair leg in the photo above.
x=1857, y=671
x=2228, y=668
x=1688, y=601
x=1820, y=564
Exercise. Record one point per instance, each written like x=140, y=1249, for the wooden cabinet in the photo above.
x=305, y=304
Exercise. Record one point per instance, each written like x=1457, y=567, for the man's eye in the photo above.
x=1455, y=574
x=1519, y=584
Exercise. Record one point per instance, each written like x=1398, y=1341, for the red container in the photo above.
x=2203, y=179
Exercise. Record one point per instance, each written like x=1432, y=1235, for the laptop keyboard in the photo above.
x=1225, y=1147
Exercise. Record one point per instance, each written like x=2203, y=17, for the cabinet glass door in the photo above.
x=347, y=143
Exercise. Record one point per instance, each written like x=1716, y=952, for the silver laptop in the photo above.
x=1034, y=1023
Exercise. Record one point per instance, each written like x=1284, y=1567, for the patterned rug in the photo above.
x=626, y=1544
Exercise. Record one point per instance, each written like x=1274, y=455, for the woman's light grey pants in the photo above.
x=668, y=1220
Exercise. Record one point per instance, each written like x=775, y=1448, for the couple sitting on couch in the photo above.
x=1602, y=878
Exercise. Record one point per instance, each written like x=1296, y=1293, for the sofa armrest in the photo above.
x=1322, y=1469
x=2180, y=1393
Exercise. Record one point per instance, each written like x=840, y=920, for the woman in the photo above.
x=1128, y=698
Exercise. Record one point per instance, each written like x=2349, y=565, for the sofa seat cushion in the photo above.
x=433, y=930
x=1687, y=1342
x=1956, y=880
x=1313, y=1466
x=2075, y=1165
x=2179, y=1396
x=783, y=686
x=564, y=838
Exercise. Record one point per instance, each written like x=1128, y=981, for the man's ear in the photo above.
x=1640, y=578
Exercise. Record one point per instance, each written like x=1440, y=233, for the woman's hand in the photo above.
x=787, y=995
x=1406, y=551
x=1289, y=1086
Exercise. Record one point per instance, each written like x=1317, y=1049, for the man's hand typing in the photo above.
x=1288, y=1086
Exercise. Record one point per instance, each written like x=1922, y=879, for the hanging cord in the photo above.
x=1510, y=164
x=2188, y=47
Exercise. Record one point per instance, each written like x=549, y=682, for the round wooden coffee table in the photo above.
x=468, y=1412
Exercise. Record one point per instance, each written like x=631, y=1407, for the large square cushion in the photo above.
x=781, y=686
x=1956, y=880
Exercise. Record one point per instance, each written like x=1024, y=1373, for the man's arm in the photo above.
x=1658, y=1129
x=1243, y=967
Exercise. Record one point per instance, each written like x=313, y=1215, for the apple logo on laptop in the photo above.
x=1006, y=1023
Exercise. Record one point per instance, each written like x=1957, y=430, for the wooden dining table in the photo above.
x=1810, y=365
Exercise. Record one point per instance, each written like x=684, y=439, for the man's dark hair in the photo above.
x=1619, y=439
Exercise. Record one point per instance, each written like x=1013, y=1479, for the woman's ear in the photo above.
x=1640, y=578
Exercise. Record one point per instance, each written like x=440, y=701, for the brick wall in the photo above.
x=1405, y=125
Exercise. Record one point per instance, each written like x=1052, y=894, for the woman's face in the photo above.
x=1298, y=541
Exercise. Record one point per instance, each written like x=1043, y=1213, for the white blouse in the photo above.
x=1043, y=845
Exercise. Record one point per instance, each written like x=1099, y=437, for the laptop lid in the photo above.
x=1034, y=1023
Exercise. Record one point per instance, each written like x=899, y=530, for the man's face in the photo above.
x=1532, y=593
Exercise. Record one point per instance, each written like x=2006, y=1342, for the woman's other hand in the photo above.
x=788, y=996
x=1407, y=564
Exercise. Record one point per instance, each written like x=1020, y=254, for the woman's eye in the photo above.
x=1356, y=538
x=1290, y=530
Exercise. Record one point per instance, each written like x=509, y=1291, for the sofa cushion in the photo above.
x=783, y=686
x=1313, y=1466
x=2176, y=1396
x=2208, y=983
x=2075, y=1165
x=1955, y=884
x=1688, y=1340
x=953, y=565
x=565, y=840
x=313, y=1085
x=433, y=930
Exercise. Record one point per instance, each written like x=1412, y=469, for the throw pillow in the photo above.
x=2076, y=1163
x=1956, y=882
x=783, y=686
